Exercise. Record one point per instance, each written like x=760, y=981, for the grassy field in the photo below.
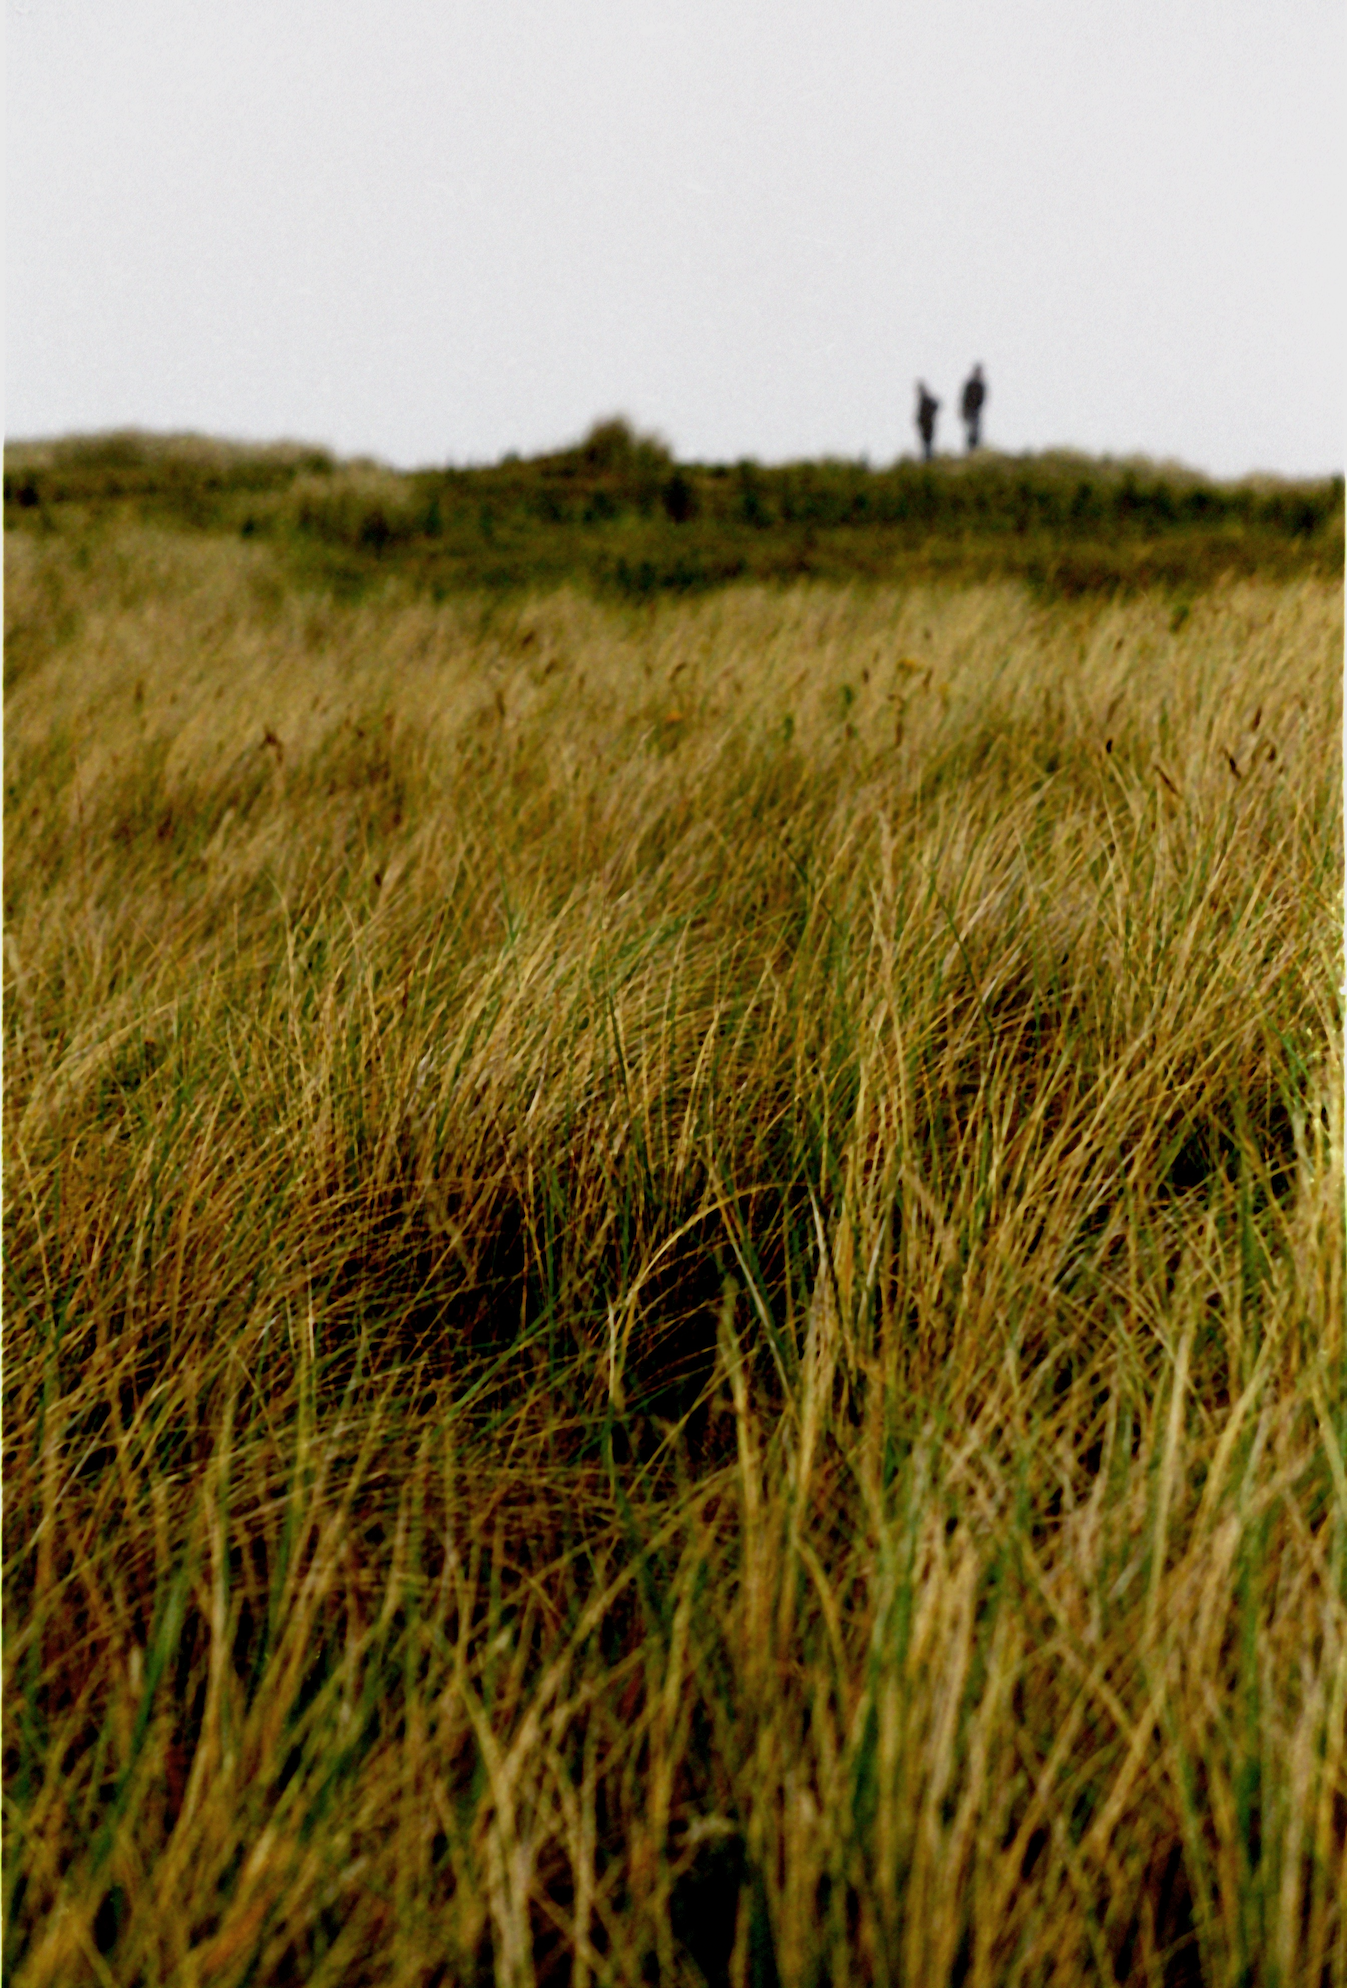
x=674, y=1281
x=616, y=516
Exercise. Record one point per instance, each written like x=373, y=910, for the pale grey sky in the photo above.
x=436, y=232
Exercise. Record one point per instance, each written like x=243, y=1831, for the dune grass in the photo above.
x=674, y=1285
x=616, y=517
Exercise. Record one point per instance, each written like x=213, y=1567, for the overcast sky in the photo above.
x=435, y=232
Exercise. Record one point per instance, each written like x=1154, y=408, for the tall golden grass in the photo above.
x=674, y=1286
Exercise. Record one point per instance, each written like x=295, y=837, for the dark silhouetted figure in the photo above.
x=927, y=409
x=974, y=393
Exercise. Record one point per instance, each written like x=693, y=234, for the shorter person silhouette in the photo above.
x=927, y=409
x=974, y=393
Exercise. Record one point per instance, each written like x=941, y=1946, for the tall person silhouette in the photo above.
x=974, y=393
x=927, y=409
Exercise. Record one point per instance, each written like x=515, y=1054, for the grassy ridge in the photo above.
x=618, y=516
x=675, y=1283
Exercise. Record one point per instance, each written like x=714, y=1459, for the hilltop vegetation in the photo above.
x=674, y=1268
x=617, y=515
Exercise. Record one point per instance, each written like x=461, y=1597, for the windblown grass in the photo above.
x=675, y=1286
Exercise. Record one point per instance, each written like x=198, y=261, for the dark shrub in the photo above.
x=679, y=498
